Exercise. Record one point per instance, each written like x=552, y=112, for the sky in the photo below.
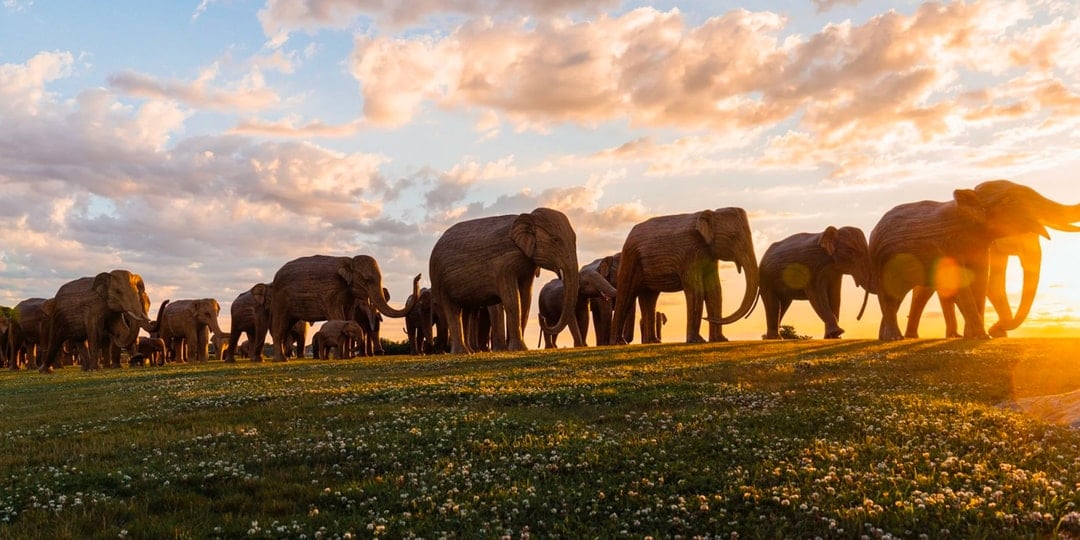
x=203, y=144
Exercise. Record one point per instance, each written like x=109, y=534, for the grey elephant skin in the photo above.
x=85, y=308
x=592, y=283
x=487, y=261
x=811, y=266
x=680, y=253
x=320, y=288
x=185, y=326
x=945, y=246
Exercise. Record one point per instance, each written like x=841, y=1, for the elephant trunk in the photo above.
x=569, y=303
x=750, y=267
x=384, y=307
x=1031, y=262
x=155, y=325
x=1056, y=215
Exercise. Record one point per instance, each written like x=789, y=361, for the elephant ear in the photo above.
x=604, y=268
x=101, y=284
x=523, y=233
x=260, y=292
x=345, y=271
x=48, y=307
x=194, y=307
x=704, y=225
x=828, y=240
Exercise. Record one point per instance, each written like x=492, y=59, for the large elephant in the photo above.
x=592, y=283
x=250, y=313
x=123, y=334
x=320, y=288
x=27, y=333
x=337, y=335
x=811, y=266
x=185, y=326
x=680, y=253
x=486, y=261
x=946, y=246
x=86, y=309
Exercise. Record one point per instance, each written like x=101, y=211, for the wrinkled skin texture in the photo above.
x=661, y=320
x=320, y=288
x=680, y=253
x=487, y=261
x=85, y=308
x=185, y=326
x=123, y=334
x=945, y=246
x=27, y=333
x=250, y=313
x=592, y=283
x=811, y=266
x=336, y=335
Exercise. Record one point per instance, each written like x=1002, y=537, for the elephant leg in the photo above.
x=581, y=313
x=279, y=332
x=453, y=314
x=819, y=295
x=515, y=306
x=948, y=312
x=647, y=304
x=969, y=308
x=771, y=302
x=889, y=329
x=712, y=296
x=920, y=295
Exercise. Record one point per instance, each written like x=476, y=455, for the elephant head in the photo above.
x=363, y=276
x=545, y=236
x=124, y=292
x=205, y=311
x=850, y=253
x=1018, y=216
x=594, y=281
x=726, y=233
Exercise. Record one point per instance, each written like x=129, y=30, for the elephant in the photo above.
x=680, y=253
x=26, y=333
x=243, y=350
x=661, y=320
x=220, y=341
x=485, y=328
x=250, y=315
x=86, y=309
x=152, y=349
x=337, y=335
x=296, y=340
x=811, y=266
x=592, y=283
x=492, y=260
x=946, y=246
x=6, y=314
x=320, y=288
x=419, y=329
x=603, y=309
x=185, y=325
x=370, y=320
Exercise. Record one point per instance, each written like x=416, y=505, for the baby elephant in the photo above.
x=810, y=266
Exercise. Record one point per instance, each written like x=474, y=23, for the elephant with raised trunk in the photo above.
x=487, y=261
x=87, y=308
x=680, y=253
x=320, y=288
x=592, y=283
x=185, y=326
x=250, y=313
x=945, y=246
x=811, y=266
x=424, y=326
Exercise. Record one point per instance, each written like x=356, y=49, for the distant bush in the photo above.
x=395, y=347
x=788, y=332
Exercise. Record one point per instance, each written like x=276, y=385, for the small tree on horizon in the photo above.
x=787, y=331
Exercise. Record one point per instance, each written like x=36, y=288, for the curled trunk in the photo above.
x=567, y=316
x=750, y=267
x=384, y=307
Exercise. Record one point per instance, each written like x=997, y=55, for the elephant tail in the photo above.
x=865, y=298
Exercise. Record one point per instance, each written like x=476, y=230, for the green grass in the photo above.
x=764, y=439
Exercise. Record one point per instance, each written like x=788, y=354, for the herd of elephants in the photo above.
x=481, y=275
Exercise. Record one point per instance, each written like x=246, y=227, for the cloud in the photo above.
x=287, y=128
x=827, y=5
x=249, y=94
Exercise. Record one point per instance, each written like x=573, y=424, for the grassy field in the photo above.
x=763, y=439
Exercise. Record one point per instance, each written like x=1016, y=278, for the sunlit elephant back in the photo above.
x=811, y=266
x=945, y=246
x=680, y=253
x=83, y=309
x=486, y=261
x=321, y=287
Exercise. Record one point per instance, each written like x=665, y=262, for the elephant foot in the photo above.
x=48, y=370
x=771, y=335
x=890, y=334
x=953, y=335
x=913, y=334
x=834, y=334
x=998, y=332
x=719, y=339
x=695, y=339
